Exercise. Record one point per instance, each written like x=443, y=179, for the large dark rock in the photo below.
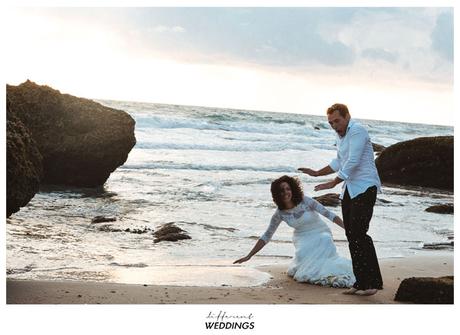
x=81, y=141
x=23, y=164
x=441, y=209
x=426, y=290
x=424, y=161
x=170, y=232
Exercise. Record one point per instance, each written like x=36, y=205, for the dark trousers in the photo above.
x=357, y=214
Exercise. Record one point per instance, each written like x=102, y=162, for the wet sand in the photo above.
x=280, y=289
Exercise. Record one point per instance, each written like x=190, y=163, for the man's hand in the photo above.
x=325, y=186
x=308, y=171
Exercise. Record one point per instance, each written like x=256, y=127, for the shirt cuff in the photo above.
x=342, y=175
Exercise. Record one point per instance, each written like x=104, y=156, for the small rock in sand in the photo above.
x=101, y=218
x=170, y=232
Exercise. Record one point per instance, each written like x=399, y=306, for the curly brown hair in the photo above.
x=296, y=189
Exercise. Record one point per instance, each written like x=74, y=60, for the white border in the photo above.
x=270, y=319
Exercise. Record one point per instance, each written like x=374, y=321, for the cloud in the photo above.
x=442, y=36
x=269, y=36
x=380, y=54
x=415, y=42
x=162, y=29
x=178, y=29
x=402, y=37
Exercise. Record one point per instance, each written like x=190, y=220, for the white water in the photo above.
x=209, y=170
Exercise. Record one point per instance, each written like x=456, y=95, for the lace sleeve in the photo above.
x=317, y=207
x=274, y=223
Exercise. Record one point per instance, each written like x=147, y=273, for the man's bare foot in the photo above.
x=350, y=291
x=370, y=291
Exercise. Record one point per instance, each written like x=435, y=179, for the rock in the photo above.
x=111, y=229
x=81, y=141
x=172, y=237
x=333, y=200
x=424, y=161
x=100, y=218
x=426, y=290
x=170, y=232
x=439, y=246
x=138, y=230
x=168, y=228
x=329, y=199
x=23, y=164
x=378, y=147
x=317, y=128
x=441, y=209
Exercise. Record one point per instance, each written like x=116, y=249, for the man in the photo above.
x=355, y=167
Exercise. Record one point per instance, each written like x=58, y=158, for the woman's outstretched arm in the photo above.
x=274, y=223
x=259, y=245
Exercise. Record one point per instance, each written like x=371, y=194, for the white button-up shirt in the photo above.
x=355, y=161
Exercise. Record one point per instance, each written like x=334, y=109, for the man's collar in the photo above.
x=351, y=122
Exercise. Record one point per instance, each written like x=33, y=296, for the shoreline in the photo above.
x=280, y=289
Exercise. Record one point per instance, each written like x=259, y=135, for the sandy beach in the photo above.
x=279, y=290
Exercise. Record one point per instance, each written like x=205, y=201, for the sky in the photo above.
x=385, y=63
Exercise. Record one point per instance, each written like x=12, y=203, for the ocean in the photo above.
x=208, y=170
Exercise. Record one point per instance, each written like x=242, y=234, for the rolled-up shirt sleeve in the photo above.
x=272, y=227
x=357, y=144
x=335, y=164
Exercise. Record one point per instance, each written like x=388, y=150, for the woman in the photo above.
x=316, y=260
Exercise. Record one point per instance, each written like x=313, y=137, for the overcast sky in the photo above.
x=385, y=63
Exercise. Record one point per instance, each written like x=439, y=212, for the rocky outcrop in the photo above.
x=441, y=209
x=23, y=164
x=329, y=199
x=170, y=232
x=426, y=290
x=424, y=161
x=81, y=141
x=378, y=148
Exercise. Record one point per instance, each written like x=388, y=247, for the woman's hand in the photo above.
x=339, y=222
x=242, y=260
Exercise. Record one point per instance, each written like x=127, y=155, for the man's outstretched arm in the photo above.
x=323, y=172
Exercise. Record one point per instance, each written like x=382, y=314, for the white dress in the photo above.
x=316, y=260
